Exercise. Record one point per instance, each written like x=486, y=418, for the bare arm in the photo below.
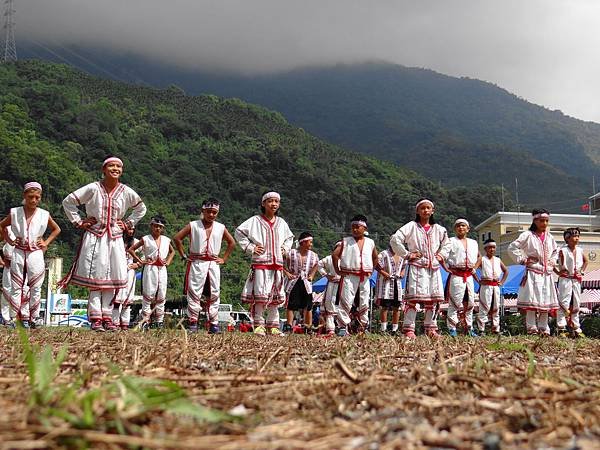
x=585, y=263
x=230, y=246
x=170, y=255
x=179, y=237
x=335, y=256
x=3, y=224
x=131, y=250
x=54, y=232
x=504, y=272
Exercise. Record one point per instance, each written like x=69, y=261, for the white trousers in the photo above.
x=461, y=301
x=265, y=287
x=5, y=298
x=569, y=301
x=26, y=269
x=537, y=322
x=330, y=309
x=489, y=306
x=203, y=280
x=121, y=313
x=410, y=318
x=154, y=293
x=351, y=286
x=100, y=304
x=258, y=319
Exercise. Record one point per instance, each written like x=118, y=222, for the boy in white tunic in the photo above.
x=122, y=306
x=158, y=255
x=388, y=289
x=461, y=258
x=536, y=249
x=202, y=284
x=355, y=260
x=268, y=239
x=327, y=269
x=28, y=224
x=489, y=287
x=100, y=263
x=300, y=268
x=421, y=243
x=572, y=263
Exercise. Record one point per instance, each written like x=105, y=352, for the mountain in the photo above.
x=58, y=124
x=453, y=130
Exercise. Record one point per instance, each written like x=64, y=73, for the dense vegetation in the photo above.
x=58, y=124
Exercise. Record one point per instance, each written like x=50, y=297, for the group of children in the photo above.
x=281, y=276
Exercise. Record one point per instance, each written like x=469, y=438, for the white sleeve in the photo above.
x=397, y=242
x=75, y=199
x=515, y=248
x=135, y=202
x=242, y=236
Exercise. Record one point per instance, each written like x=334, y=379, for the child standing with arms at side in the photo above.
x=158, y=254
x=300, y=268
x=268, y=239
x=355, y=260
x=421, y=243
x=536, y=249
x=461, y=259
x=489, y=287
x=28, y=223
x=203, y=273
x=388, y=289
x=572, y=263
x=327, y=269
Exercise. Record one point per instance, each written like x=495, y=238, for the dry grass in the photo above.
x=299, y=392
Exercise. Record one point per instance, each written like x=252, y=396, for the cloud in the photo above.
x=541, y=50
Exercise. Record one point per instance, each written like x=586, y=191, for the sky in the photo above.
x=545, y=51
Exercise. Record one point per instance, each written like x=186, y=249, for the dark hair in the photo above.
x=262, y=208
x=212, y=201
x=337, y=243
x=159, y=218
x=431, y=219
x=360, y=218
x=533, y=226
x=488, y=241
x=569, y=232
x=128, y=238
x=304, y=234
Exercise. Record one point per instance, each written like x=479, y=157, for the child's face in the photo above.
x=461, y=230
x=425, y=211
x=541, y=223
x=271, y=205
x=113, y=170
x=490, y=251
x=306, y=245
x=157, y=229
x=210, y=214
x=32, y=198
x=573, y=240
x=358, y=231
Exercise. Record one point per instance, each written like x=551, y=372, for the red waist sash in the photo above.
x=464, y=273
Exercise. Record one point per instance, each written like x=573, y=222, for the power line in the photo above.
x=9, y=53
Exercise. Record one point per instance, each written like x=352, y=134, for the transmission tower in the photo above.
x=9, y=51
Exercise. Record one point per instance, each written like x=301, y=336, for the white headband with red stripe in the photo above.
x=112, y=159
x=361, y=223
x=541, y=216
x=32, y=185
x=419, y=203
x=269, y=195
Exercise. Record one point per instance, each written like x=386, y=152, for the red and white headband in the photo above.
x=307, y=238
x=541, y=216
x=210, y=205
x=359, y=223
x=461, y=222
x=269, y=195
x=112, y=159
x=489, y=244
x=419, y=203
x=32, y=185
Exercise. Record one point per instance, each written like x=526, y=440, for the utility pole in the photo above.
x=9, y=50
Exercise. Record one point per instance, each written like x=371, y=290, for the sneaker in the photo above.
x=124, y=327
x=394, y=333
x=410, y=334
x=328, y=335
x=472, y=333
x=433, y=334
x=578, y=334
x=532, y=332
x=260, y=331
x=97, y=325
x=193, y=327
x=287, y=328
x=25, y=324
x=342, y=332
x=109, y=325
x=452, y=333
x=214, y=329
x=158, y=325
x=275, y=332
x=563, y=333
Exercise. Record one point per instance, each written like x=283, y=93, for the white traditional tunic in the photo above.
x=27, y=264
x=460, y=262
x=265, y=284
x=325, y=267
x=203, y=274
x=489, y=293
x=300, y=270
x=569, y=288
x=537, y=292
x=101, y=262
x=122, y=307
x=423, y=280
x=387, y=288
x=154, y=278
x=356, y=266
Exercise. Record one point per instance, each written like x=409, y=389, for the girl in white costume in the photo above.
x=489, y=287
x=122, y=307
x=572, y=263
x=268, y=239
x=28, y=225
x=202, y=284
x=355, y=260
x=100, y=263
x=536, y=249
x=421, y=243
x=461, y=259
x=158, y=255
x=300, y=268
x=388, y=289
x=327, y=269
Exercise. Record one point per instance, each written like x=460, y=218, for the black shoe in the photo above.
x=287, y=328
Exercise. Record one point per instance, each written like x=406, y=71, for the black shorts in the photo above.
x=389, y=303
x=299, y=298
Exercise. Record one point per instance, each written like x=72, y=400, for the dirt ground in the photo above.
x=298, y=391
